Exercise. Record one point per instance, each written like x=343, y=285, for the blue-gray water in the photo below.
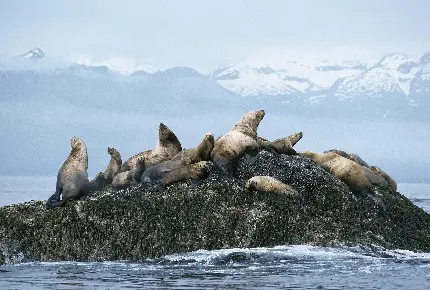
x=282, y=267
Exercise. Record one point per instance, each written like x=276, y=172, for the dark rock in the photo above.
x=145, y=222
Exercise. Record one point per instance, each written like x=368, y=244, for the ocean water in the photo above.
x=281, y=267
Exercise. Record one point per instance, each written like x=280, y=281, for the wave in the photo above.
x=294, y=254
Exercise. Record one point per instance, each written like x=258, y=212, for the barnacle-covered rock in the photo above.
x=145, y=221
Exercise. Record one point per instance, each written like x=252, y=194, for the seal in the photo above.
x=271, y=185
x=114, y=165
x=202, y=152
x=392, y=184
x=130, y=177
x=240, y=140
x=168, y=146
x=351, y=156
x=72, y=178
x=348, y=171
x=194, y=171
x=281, y=145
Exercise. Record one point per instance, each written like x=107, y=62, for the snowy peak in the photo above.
x=268, y=75
x=283, y=75
x=34, y=54
x=374, y=83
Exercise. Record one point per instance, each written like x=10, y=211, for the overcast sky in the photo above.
x=210, y=34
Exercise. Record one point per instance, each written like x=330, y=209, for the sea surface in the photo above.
x=281, y=267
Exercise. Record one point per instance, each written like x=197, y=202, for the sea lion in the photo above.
x=197, y=170
x=374, y=177
x=241, y=139
x=130, y=177
x=201, y=152
x=281, y=145
x=114, y=165
x=156, y=172
x=98, y=183
x=350, y=156
x=168, y=146
x=72, y=178
x=285, y=145
x=391, y=182
x=271, y=185
x=348, y=171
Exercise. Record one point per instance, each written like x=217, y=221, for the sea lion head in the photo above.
x=76, y=143
x=79, y=149
x=208, y=143
x=251, y=184
x=168, y=139
x=294, y=138
x=209, y=137
x=114, y=153
x=140, y=162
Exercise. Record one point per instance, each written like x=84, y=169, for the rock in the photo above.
x=145, y=222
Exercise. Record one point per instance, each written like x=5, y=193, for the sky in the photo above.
x=210, y=34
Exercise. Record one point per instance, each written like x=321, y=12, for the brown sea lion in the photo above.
x=114, y=165
x=391, y=182
x=374, y=177
x=238, y=141
x=351, y=156
x=201, y=152
x=281, y=145
x=130, y=177
x=271, y=185
x=168, y=146
x=348, y=171
x=72, y=178
x=197, y=170
x=98, y=183
x=156, y=172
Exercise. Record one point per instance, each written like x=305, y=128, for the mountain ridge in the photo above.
x=395, y=85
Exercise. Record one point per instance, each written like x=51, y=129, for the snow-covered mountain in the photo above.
x=263, y=75
x=395, y=86
x=394, y=74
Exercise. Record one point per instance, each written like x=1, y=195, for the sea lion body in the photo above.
x=281, y=145
x=351, y=156
x=240, y=140
x=130, y=177
x=72, y=178
x=156, y=172
x=374, y=177
x=168, y=146
x=194, y=171
x=98, y=183
x=348, y=171
x=391, y=182
x=271, y=185
x=114, y=165
x=202, y=152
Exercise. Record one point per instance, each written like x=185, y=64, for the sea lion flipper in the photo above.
x=54, y=202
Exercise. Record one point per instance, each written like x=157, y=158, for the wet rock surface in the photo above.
x=150, y=221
